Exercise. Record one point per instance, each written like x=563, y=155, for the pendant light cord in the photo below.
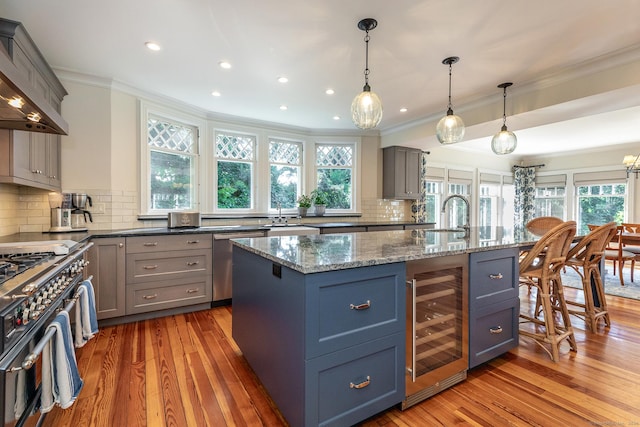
x=366, y=59
x=504, y=109
x=449, y=109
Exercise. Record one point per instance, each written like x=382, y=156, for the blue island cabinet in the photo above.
x=494, y=305
x=329, y=346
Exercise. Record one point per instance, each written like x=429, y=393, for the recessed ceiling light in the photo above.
x=329, y=91
x=284, y=107
x=336, y=117
x=283, y=79
x=224, y=64
x=152, y=46
x=403, y=110
x=215, y=93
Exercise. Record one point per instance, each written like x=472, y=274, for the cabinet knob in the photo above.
x=496, y=276
x=121, y=245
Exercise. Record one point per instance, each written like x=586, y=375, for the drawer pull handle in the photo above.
x=192, y=290
x=192, y=263
x=364, y=306
x=192, y=242
x=496, y=276
x=150, y=244
x=496, y=331
x=363, y=384
x=150, y=296
x=150, y=267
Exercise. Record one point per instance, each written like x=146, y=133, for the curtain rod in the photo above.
x=532, y=166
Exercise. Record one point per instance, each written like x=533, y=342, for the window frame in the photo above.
x=148, y=110
x=255, y=164
x=355, y=170
x=301, y=166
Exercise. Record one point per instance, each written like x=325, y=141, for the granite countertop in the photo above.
x=326, y=252
x=80, y=236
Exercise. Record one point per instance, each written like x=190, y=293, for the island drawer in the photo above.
x=144, y=267
x=353, y=307
x=163, y=243
x=493, y=330
x=351, y=384
x=145, y=297
x=493, y=276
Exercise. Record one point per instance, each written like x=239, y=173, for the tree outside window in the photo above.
x=236, y=156
x=285, y=158
x=334, y=166
x=172, y=153
x=600, y=204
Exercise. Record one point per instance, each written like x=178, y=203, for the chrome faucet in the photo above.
x=467, y=226
x=280, y=218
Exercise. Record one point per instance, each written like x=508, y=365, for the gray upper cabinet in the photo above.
x=401, y=173
x=30, y=158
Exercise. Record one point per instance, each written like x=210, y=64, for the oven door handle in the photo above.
x=31, y=358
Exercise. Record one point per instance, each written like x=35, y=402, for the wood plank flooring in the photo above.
x=186, y=370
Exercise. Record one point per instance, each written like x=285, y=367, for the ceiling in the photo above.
x=317, y=46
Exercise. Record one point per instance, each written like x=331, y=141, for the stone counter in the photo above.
x=327, y=252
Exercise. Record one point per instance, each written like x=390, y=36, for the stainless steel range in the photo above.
x=37, y=279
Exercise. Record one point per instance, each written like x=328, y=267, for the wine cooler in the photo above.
x=437, y=326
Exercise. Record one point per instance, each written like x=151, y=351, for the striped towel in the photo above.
x=61, y=380
x=86, y=320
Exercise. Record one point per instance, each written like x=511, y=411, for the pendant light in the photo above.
x=366, y=108
x=504, y=142
x=450, y=128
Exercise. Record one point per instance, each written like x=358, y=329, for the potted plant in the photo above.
x=304, y=203
x=319, y=201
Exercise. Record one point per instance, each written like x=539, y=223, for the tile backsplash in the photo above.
x=25, y=209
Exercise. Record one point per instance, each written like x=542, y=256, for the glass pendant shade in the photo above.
x=450, y=129
x=366, y=109
x=504, y=142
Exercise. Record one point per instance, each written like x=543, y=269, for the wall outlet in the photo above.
x=98, y=208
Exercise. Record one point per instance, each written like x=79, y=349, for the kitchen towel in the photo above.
x=61, y=380
x=86, y=320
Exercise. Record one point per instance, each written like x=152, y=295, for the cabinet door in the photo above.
x=412, y=173
x=401, y=173
x=107, y=265
x=53, y=161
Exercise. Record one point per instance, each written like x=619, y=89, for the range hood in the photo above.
x=35, y=114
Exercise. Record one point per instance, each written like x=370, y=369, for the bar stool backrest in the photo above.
x=539, y=226
x=550, y=252
x=591, y=247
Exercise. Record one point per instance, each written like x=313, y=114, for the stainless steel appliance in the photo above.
x=183, y=219
x=437, y=326
x=222, y=251
x=36, y=280
x=60, y=220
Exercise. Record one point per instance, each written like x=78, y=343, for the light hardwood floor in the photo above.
x=186, y=370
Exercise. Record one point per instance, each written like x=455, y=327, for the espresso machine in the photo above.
x=60, y=213
x=79, y=214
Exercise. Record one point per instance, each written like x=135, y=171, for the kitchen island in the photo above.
x=322, y=319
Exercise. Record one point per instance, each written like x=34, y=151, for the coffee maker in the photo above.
x=80, y=214
x=60, y=213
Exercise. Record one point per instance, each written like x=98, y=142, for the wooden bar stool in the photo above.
x=543, y=265
x=585, y=259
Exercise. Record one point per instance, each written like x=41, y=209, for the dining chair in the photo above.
x=633, y=247
x=585, y=257
x=616, y=252
x=542, y=264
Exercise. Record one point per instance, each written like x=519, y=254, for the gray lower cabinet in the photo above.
x=168, y=272
x=494, y=305
x=107, y=266
x=328, y=347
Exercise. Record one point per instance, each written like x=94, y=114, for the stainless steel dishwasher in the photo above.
x=222, y=248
